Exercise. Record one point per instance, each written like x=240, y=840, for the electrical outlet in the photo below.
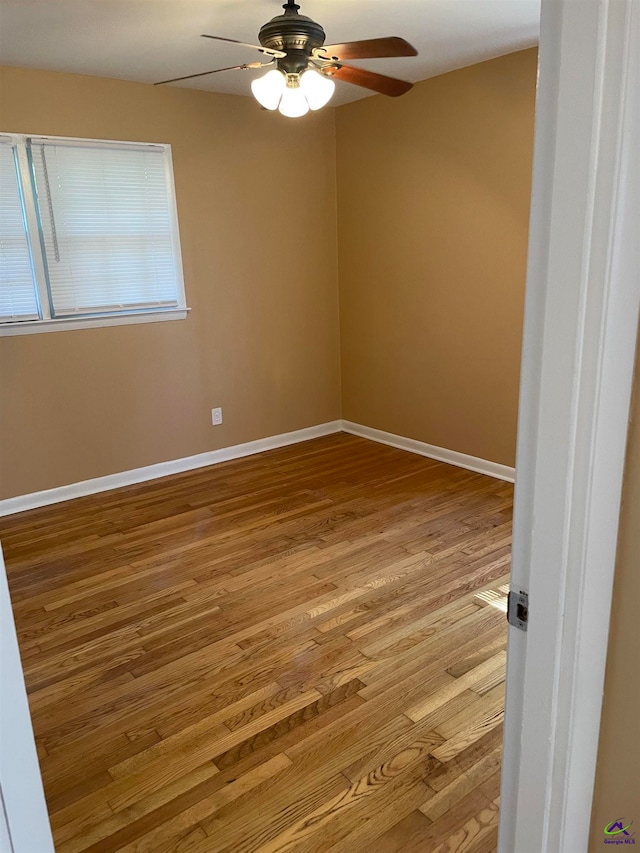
x=216, y=416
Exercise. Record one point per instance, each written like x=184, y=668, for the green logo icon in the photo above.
x=617, y=828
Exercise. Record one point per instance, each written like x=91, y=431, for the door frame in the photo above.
x=23, y=810
x=579, y=345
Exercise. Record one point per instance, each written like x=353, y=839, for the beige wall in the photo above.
x=433, y=203
x=432, y=226
x=617, y=790
x=262, y=339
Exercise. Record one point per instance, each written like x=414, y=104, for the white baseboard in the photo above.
x=452, y=457
x=163, y=469
x=237, y=451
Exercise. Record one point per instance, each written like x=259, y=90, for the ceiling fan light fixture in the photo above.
x=304, y=67
x=318, y=88
x=268, y=90
x=293, y=103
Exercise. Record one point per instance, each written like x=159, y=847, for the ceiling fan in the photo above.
x=304, y=68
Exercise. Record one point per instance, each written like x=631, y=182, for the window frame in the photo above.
x=48, y=323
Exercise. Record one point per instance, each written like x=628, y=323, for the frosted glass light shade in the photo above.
x=268, y=90
x=317, y=88
x=293, y=103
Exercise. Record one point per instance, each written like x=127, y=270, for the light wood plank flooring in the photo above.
x=298, y=651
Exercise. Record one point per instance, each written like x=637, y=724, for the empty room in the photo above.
x=261, y=320
x=247, y=620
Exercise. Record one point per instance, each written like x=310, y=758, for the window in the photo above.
x=18, y=295
x=88, y=234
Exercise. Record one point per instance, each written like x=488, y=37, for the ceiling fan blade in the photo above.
x=215, y=71
x=370, y=80
x=267, y=50
x=370, y=49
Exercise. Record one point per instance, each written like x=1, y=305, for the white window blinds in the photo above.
x=17, y=285
x=107, y=227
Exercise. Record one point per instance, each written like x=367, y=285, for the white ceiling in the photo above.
x=150, y=40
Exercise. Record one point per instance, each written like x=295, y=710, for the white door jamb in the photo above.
x=581, y=321
x=23, y=810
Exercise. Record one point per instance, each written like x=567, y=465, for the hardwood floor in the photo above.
x=297, y=651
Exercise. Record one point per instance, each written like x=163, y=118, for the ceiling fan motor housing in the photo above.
x=294, y=34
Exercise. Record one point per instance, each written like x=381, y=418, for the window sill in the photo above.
x=66, y=324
